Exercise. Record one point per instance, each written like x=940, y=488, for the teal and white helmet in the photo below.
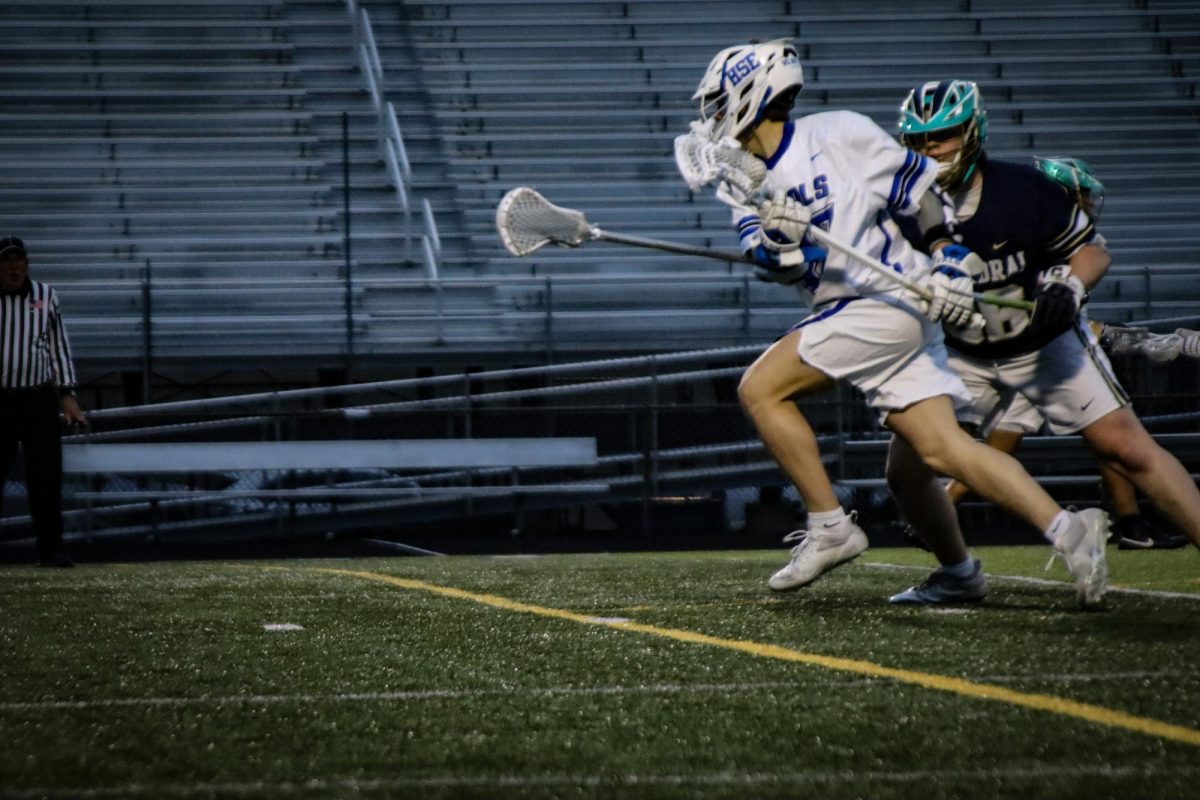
x=1076, y=175
x=743, y=80
x=940, y=110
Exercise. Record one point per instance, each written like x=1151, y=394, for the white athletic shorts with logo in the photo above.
x=883, y=347
x=1069, y=382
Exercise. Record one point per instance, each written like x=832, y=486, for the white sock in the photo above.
x=1058, y=526
x=963, y=569
x=829, y=522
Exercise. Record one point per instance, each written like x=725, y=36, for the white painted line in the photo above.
x=609, y=620
x=418, y=695
x=282, y=626
x=350, y=786
x=370, y=697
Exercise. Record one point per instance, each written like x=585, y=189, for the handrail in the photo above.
x=391, y=141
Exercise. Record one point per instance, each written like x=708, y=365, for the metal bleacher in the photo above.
x=197, y=146
x=581, y=100
x=203, y=140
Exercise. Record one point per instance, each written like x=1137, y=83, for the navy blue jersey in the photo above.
x=1025, y=224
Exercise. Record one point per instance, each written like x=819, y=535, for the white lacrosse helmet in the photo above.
x=741, y=81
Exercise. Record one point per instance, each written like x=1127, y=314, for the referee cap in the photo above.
x=11, y=243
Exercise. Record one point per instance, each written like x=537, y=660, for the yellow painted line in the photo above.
x=943, y=683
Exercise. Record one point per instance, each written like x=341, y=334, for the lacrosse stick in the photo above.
x=527, y=222
x=702, y=161
x=1159, y=347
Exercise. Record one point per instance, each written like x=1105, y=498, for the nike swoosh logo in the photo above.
x=1084, y=407
x=999, y=245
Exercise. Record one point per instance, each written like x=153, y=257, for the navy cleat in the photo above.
x=942, y=587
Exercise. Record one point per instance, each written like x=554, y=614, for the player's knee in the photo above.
x=906, y=471
x=940, y=454
x=1129, y=449
x=753, y=393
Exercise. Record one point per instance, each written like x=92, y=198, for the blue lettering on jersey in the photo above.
x=820, y=187
x=815, y=268
x=741, y=68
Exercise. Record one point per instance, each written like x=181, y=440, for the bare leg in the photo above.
x=1121, y=443
x=767, y=393
x=1004, y=441
x=931, y=431
x=1121, y=494
x=924, y=503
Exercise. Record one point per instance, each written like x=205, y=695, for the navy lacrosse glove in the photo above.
x=1059, y=297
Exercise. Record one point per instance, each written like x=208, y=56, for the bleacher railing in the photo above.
x=637, y=407
x=391, y=142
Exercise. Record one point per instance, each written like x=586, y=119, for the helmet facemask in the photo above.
x=938, y=112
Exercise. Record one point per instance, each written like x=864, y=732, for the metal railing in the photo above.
x=391, y=142
x=669, y=424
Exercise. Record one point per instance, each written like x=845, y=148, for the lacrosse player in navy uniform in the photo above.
x=1018, y=417
x=1035, y=243
x=840, y=171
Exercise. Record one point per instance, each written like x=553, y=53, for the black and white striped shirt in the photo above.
x=33, y=341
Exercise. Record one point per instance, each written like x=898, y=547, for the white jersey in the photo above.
x=850, y=174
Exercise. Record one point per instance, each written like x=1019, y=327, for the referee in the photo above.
x=37, y=377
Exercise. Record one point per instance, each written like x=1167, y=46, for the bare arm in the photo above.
x=1089, y=264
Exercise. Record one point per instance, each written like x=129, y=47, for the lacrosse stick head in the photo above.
x=703, y=161
x=527, y=221
x=1120, y=340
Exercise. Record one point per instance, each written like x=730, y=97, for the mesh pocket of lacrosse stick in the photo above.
x=527, y=221
x=702, y=162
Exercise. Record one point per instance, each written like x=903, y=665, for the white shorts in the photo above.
x=1068, y=383
x=884, y=348
x=1014, y=413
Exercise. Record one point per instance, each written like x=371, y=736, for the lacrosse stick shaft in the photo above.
x=878, y=266
x=671, y=247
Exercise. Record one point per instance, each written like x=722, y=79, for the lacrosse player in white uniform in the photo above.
x=840, y=171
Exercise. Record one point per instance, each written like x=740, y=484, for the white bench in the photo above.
x=500, y=457
x=409, y=454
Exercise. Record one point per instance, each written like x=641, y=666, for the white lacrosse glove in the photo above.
x=952, y=301
x=784, y=221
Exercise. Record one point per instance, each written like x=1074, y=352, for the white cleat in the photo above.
x=819, y=551
x=1082, y=550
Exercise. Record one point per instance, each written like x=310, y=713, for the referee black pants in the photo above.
x=30, y=417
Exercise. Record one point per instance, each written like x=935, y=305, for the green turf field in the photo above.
x=595, y=676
